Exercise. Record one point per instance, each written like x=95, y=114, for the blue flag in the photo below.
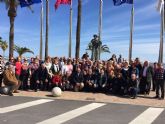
x=119, y=2
x=25, y=3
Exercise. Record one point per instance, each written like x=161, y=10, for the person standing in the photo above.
x=18, y=66
x=1, y=70
x=159, y=80
x=25, y=74
x=153, y=82
x=147, y=74
x=33, y=68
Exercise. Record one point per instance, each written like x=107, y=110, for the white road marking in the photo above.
x=148, y=116
x=23, y=105
x=59, y=119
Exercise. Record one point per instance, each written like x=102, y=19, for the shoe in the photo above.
x=16, y=91
x=11, y=94
x=156, y=97
x=162, y=97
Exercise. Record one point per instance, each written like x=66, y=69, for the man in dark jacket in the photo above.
x=90, y=81
x=133, y=86
x=102, y=81
x=42, y=78
x=147, y=74
x=159, y=80
x=78, y=80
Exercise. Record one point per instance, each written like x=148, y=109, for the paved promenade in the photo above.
x=98, y=97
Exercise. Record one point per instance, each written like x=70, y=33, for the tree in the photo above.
x=22, y=50
x=11, y=6
x=78, y=32
x=3, y=45
x=103, y=48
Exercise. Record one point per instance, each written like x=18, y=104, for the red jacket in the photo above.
x=18, y=66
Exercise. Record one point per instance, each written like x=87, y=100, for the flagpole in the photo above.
x=47, y=29
x=100, y=22
x=41, y=31
x=160, y=60
x=70, y=32
x=131, y=32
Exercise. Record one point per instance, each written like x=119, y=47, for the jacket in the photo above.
x=9, y=78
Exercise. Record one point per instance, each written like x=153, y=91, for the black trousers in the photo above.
x=1, y=77
x=24, y=85
x=160, y=86
x=10, y=87
x=153, y=85
x=145, y=85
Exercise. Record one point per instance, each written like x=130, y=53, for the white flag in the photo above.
x=160, y=5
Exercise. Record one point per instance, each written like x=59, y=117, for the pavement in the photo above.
x=142, y=100
x=50, y=110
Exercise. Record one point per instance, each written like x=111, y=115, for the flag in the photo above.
x=161, y=9
x=160, y=5
x=25, y=3
x=119, y=2
x=58, y=2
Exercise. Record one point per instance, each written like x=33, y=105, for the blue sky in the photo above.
x=116, y=21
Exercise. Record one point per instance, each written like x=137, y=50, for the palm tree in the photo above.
x=22, y=50
x=11, y=6
x=78, y=32
x=4, y=46
x=47, y=28
x=103, y=48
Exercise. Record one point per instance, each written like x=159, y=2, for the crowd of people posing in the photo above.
x=114, y=76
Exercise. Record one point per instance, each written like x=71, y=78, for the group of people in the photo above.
x=114, y=76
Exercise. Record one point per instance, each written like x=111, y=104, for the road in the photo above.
x=27, y=110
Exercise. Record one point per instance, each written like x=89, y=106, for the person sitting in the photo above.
x=102, y=81
x=42, y=77
x=90, y=82
x=78, y=80
x=133, y=86
x=56, y=81
x=10, y=80
x=56, y=73
x=66, y=82
x=110, y=80
x=121, y=85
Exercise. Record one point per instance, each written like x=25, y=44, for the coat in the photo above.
x=78, y=78
x=9, y=78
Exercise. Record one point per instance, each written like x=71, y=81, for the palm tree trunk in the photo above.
x=47, y=28
x=78, y=33
x=3, y=54
x=12, y=14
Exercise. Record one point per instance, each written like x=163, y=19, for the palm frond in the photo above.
x=22, y=50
